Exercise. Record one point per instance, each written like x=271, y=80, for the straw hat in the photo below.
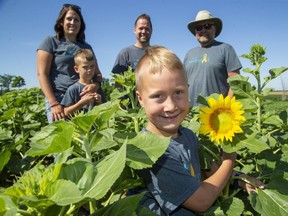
x=205, y=15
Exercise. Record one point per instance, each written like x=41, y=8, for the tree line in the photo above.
x=8, y=82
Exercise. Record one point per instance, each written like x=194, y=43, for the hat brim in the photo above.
x=217, y=22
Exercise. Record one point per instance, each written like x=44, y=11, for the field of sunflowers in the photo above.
x=107, y=150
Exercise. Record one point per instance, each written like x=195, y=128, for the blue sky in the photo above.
x=24, y=24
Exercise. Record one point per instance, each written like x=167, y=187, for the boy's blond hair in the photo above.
x=154, y=60
x=83, y=54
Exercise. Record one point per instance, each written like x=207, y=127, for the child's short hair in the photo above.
x=154, y=60
x=85, y=54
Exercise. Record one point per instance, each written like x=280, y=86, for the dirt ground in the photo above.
x=279, y=93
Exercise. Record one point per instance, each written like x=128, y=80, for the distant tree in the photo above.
x=8, y=81
x=5, y=82
x=18, y=82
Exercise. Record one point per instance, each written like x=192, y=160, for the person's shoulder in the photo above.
x=48, y=43
x=183, y=129
x=49, y=39
x=222, y=44
x=191, y=51
x=127, y=49
x=85, y=45
x=74, y=87
x=187, y=132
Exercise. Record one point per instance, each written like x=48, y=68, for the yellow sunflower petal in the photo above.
x=211, y=102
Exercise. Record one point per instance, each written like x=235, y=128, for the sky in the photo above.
x=109, y=28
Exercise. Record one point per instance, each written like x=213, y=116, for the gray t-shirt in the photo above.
x=174, y=177
x=128, y=56
x=62, y=73
x=207, y=69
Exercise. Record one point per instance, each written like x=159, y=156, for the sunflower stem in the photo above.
x=211, y=153
x=259, y=112
x=225, y=194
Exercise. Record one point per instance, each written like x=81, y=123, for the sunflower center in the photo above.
x=221, y=121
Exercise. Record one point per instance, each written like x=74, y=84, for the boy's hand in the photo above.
x=88, y=98
x=228, y=156
x=248, y=187
x=98, y=98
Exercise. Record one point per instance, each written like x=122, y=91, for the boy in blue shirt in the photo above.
x=85, y=66
x=174, y=185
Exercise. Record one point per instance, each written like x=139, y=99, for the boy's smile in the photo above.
x=164, y=95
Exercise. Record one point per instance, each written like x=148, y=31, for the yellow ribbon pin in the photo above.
x=204, y=58
x=192, y=170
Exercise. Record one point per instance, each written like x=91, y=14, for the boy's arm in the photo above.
x=210, y=189
x=89, y=97
x=69, y=110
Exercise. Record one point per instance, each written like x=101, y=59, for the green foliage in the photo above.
x=261, y=148
x=107, y=88
x=97, y=154
x=22, y=114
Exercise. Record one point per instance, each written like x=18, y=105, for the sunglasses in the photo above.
x=205, y=26
x=73, y=6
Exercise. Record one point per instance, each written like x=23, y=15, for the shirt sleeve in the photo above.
x=231, y=60
x=121, y=63
x=47, y=45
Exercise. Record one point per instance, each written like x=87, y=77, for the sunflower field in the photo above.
x=86, y=165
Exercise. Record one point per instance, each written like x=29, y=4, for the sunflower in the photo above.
x=221, y=119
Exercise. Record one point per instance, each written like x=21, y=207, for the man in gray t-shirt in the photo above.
x=209, y=65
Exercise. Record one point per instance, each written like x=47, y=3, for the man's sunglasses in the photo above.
x=205, y=26
x=73, y=6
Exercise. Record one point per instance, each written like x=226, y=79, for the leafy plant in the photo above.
x=97, y=154
x=22, y=114
x=261, y=148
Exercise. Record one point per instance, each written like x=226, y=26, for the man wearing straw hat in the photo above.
x=209, y=65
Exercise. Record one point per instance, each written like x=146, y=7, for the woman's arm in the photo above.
x=44, y=60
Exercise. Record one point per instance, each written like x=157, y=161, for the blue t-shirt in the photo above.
x=62, y=73
x=72, y=96
x=128, y=56
x=207, y=69
x=174, y=177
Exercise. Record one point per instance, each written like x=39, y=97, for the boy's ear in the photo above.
x=140, y=100
x=76, y=68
